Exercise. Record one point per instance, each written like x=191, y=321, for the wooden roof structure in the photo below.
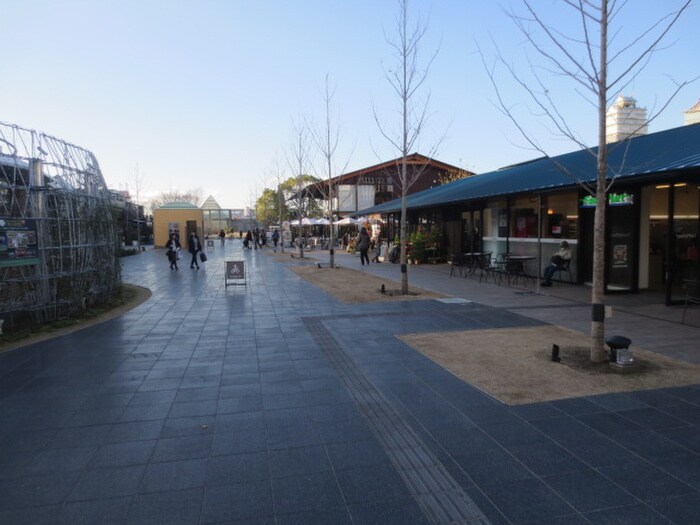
x=387, y=170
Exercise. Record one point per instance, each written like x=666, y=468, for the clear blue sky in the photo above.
x=204, y=93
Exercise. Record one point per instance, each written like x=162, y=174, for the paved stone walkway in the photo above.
x=273, y=403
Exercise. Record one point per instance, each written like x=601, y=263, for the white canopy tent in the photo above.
x=347, y=221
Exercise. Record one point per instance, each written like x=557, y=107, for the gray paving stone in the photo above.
x=213, y=405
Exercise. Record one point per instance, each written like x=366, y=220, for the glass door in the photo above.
x=683, y=250
x=472, y=232
x=621, y=247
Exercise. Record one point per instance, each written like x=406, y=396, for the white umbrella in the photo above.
x=346, y=221
x=304, y=222
x=322, y=222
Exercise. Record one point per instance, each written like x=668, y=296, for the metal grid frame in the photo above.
x=58, y=186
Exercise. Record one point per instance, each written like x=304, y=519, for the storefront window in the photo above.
x=523, y=218
x=561, y=221
x=685, y=231
x=496, y=219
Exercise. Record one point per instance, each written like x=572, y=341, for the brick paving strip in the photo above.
x=440, y=497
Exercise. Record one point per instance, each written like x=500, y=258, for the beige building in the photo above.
x=180, y=218
x=692, y=116
x=624, y=120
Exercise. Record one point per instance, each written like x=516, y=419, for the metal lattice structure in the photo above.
x=58, y=250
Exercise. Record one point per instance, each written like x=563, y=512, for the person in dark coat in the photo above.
x=173, y=245
x=363, y=241
x=194, y=247
x=275, y=238
x=222, y=236
x=248, y=240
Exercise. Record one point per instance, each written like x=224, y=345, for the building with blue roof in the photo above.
x=529, y=208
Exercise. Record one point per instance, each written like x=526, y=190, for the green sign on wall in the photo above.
x=18, y=242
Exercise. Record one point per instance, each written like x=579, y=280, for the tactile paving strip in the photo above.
x=442, y=499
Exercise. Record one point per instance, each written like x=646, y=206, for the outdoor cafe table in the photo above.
x=472, y=260
x=521, y=265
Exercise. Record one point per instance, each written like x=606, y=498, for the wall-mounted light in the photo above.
x=676, y=185
x=550, y=211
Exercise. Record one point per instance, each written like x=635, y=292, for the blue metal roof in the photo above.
x=673, y=150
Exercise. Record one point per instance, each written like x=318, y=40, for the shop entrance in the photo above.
x=620, y=242
x=471, y=231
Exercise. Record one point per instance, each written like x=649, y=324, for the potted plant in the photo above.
x=418, y=254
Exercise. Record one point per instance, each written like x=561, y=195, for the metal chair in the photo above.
x=459, y=262
x=692, y=294
x=513, y=270
x=565, y=267
x=495, y=268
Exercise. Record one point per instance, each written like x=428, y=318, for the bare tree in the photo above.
x=407, y=79
x=276, y=174
x=138, y=188
x=298, y=160
x=586, y=61
x=327, y=140
x=193, y=196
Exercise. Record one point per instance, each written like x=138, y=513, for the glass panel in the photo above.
x=621, y=247
x=523, y=218
x=684, y=256
x=658, y=237
x=562, y=216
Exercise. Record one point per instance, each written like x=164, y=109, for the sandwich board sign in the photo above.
x=234, y=273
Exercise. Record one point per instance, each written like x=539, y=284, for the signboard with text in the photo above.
x=234, y=273
x=18, y=242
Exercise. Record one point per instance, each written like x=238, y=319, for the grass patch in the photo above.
x=127, y=296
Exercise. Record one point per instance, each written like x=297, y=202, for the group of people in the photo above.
x=193, y=246
x=258, y=239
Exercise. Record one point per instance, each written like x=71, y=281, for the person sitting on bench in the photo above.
x=559, y=262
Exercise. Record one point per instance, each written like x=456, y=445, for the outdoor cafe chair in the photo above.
x=481, y=263
x=692, y=294
x=495, y=268
x=459, y=262
x=565, y=267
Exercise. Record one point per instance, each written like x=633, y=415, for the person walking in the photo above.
x=248, y=240
x=222, y=236
x=275, y=238
x=173, y=246
x=194, y=247
x=363, y=245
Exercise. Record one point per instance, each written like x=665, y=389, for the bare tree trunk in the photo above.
x=598, y=292
x=406, y=79
x=403, y=236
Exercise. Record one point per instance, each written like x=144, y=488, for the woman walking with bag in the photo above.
x=173, y=245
